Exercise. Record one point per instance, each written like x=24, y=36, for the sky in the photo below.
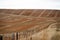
x=30, y=4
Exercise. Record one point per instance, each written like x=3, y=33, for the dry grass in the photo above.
x=56, y=37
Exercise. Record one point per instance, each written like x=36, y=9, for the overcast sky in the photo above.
x=37, y=4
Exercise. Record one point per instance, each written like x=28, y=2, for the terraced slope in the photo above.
x=33, y=12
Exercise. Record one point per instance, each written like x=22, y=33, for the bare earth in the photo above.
x=30, y=24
